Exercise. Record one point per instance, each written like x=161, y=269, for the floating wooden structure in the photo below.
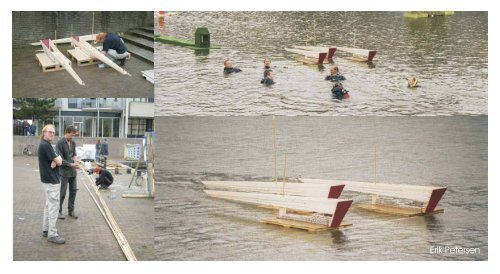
x=361, y=55
x=428, y=195
x=94, y=53
x=149, y=75
x=52, y=60
x=290, y=189
x=426, y=14
x=330, y=51
x=330, y=212
x=309, y=57
x=201, y=40
x=90, y=37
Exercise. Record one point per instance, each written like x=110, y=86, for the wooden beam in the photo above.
x=292, y=189
x=56, y=56
x=95, y=53
x=110, y=220
x=335, y=208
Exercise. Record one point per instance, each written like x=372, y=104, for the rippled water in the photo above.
x=449, y=56
x=449, y=151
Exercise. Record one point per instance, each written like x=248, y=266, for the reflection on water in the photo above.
x=450, y=151
x=449, y=56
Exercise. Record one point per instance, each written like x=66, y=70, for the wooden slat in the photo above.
x=412, y=192
x=395, y=210
x=89, y=37
x=312, y=54
x=81, y=58
x=325, y=205
x=294, y=189
x=149, y=75
x=94, y=53
x=329, y=50
x=110, y=220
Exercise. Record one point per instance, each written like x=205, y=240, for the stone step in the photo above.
x=144, y=54
x=142, y=33
x=130, y=38
x=148, y=29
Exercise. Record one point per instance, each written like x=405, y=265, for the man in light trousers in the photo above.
x=48, y=164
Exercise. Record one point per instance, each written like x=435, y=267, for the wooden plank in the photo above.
x=395, y=210
x=293, y=189
x=149, y=75
x=89, y=37
x=47, y=64
x=300, y=225
x=329, y=50
x=81, y=58
x=325, y=205
x=55, y=55
x=96, y=54
x=361, y=54
x=320, y=56
x=411, y=192
x=110, y=220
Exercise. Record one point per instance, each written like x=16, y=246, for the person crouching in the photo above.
x=104, y=179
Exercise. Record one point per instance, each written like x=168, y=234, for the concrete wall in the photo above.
x=32, y=26
x=141, y=109
x=115, y=145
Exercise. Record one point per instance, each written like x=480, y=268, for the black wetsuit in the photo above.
x=338, y=91
x=336, y=77
x=231, y=70
x=267, y=81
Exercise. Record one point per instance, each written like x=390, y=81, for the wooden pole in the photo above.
x=275, y=163
x=110, y=220
x=92, y=24
x=374, y=196
x=284, y=173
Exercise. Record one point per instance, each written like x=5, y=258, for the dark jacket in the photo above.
x=67, y=153
x=105, y=178
x=231, y=70
x=336, y=77
x=113, y=41
x=267, y=81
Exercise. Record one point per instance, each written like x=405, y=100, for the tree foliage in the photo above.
x=33, y=108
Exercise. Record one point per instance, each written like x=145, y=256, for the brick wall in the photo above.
x=32, y=26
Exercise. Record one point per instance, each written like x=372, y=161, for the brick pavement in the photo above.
x=28, y=80
x=88, y=237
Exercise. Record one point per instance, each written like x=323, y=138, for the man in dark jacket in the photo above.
x=66, y=147
x=104, y=179
x=113, y=46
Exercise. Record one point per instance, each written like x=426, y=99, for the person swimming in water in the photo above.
x=338, y=91
x=228, y=67
x=412, y=82
x=268, y=78
x=335, y=75
x=267, y=63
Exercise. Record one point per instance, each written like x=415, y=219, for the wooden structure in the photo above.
x=108, y=216
x=362, y=55
x=149, y=75
x=52, y=60
x=309, y=57
x=90, y=37
x=330, y=212
x=81, y=58
x=290, y=189
x=202, y=40
x=427, y=14
x=94, y=53
x=428, y=195
x=329, y=50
